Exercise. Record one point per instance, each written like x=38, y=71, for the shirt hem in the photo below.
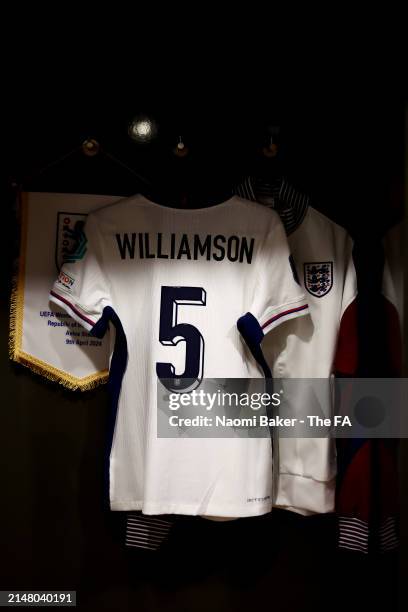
x=305, y=495
x=191, y=510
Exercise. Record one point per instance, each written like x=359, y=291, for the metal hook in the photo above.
x=181, y=149
x=271, y=150
x=91, y=147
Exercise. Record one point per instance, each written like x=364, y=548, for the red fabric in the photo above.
x=393, y=340
x=367, y=487
x=355, y=493
x=346, y=358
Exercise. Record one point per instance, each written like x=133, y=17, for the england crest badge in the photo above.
x=319, y=277
x=71, y=240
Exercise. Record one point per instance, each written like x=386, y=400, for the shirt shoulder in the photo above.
x=323, y=234
x=248, y=216
x=323, y=224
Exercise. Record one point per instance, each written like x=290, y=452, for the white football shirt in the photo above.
x=315, y=348
x=178, y=280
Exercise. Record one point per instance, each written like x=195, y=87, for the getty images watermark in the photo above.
x=300, y=408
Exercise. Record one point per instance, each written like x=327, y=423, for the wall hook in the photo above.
x=91, y=147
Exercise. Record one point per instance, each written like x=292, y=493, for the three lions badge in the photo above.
x=318, y=277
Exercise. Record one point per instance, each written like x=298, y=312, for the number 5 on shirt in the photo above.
x=172, y=332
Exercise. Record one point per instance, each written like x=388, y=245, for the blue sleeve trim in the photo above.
x=253, y=335
x=116, y=372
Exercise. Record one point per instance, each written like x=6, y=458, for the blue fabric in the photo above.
x=116, y=372
x=253, y=335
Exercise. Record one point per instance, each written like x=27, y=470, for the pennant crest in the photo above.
x=71, y=240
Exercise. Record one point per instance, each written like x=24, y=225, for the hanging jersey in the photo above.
x=316, y=346
x=367, y=484
x=175, y=282
x=327, y=341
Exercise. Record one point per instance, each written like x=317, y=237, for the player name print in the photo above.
x=185, y=246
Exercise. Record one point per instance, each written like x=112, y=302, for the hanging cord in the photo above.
x=19, y=183
x=122, y=164
x=51, y=164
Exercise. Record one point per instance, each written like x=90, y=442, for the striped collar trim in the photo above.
x=290, y=204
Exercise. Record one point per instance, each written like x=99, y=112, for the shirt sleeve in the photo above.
x=278, y=295
x=367, y=469
x=81, y=288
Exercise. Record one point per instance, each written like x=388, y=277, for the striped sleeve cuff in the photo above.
x=388, y=535
x=285, y=312
x=74, y=310
x=147, y=531
x=353, y=534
